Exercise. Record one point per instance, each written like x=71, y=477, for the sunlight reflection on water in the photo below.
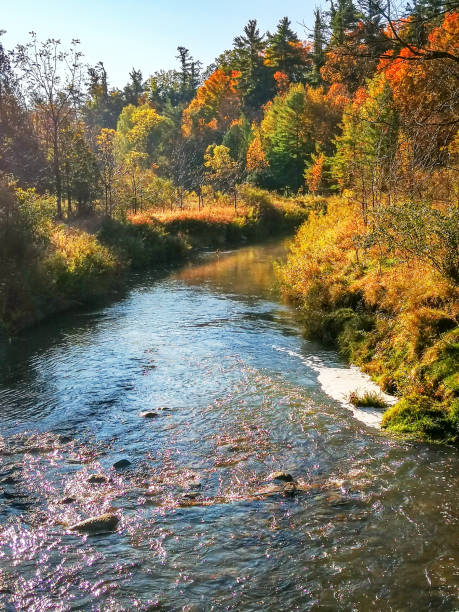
x=371, y=523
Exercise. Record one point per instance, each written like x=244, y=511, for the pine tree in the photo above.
x=318, y=54
x=343, y=18
x=285, y=53
x=135, y=88
x=423, y=13
x=255, y=81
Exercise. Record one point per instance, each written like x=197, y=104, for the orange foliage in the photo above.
x=314, y=173
x=215, y=105
x=427, y=89
x=338, y=96
x=282, y=82
x=210, y=214
x=256, y=158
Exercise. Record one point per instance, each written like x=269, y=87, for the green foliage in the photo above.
x=367, y=145
x=255, y=83
x=238, y=138
x=141, y=245
x=285, y=53
x=288, y=142
x=418, y=416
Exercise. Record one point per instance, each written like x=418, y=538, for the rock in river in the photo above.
x=97, y=479
x=280, y=476
x=149, y=414
x=97, y=524
x=122, y=463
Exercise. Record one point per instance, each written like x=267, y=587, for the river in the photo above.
x=239, y=393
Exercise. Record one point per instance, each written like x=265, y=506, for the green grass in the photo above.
x=368, y=399
x=420, y=417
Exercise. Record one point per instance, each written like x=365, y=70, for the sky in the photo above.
x=144, y=34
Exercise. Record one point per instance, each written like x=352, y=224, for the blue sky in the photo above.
x=145, y=33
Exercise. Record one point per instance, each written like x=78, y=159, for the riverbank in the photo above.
x=63, y=266
x=393, y=316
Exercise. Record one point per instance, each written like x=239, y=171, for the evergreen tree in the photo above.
x=318, y=54
x=285, y=53
x=134, y=89
x=423, y=14
x=190, y=71
x=287, y=139
x=103, y=107
x=343, y=17
x=255, y=82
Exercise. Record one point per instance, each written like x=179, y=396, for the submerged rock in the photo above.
x=97, y=524
x=280, y=476
x=289, y=489
x=149, y=414
x=68, y=500
x=122, y=463
x=97, y=479
x=8, y=480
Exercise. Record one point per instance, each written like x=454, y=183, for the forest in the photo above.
x=350, y=132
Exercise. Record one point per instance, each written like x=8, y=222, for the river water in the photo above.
x=239, y=394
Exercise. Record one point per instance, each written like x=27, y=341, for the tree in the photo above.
x=54, y=79
x=286, y=138
x=366, y=148
x=20, y=153
x=256, y=162
x=189, y=74
x=426, y=95
x=215, y=106
x=286, y=53
x=255, y=81
x=343, y=18
x=134, y=89
x=107, y=164
x=223, y=172
x=237, y=138
x=318, y=52
x=142, y=129
x=314, y=174
x=103, y=107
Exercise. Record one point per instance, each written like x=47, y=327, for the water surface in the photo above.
x=239, y=393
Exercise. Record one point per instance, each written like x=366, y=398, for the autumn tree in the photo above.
x=142, y=129
x=256, y=162
x=366, y=148
x=215, y=106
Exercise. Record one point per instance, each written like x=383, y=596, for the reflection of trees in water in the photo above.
x=247, y=271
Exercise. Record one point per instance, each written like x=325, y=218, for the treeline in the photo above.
x=367, y=102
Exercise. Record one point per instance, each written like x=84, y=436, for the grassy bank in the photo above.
x=394, y=316
x=48, y=267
